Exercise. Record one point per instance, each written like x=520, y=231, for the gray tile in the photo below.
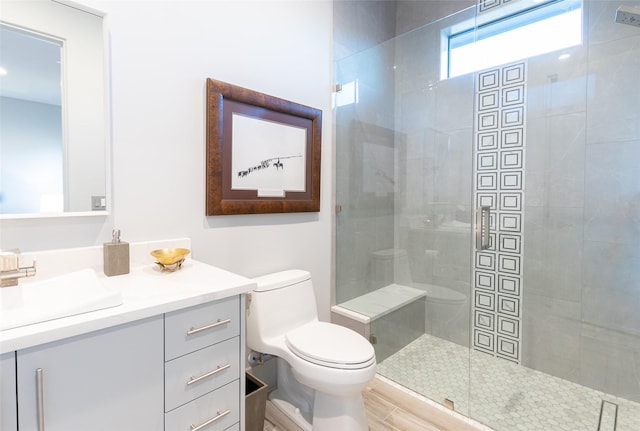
x=555, y=160
x=360, y=25
x=557, y=87
x=553, y=252
x=457, y=98
x=612, y=192
x=600, y=23
x=551, y=335
x=610, y=294
x=613, y=107
x=454, y=157
x=610, y=362
x=398, y=328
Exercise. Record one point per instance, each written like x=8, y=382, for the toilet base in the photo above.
x=333, y=413
x=329, y=413
x=290, y=411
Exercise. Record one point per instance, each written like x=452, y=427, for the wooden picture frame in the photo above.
x=263, y=153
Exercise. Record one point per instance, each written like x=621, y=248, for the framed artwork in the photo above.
x=263, y=153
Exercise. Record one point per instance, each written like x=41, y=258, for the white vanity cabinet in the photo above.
x=111, y=379
x=203, y=354
x=170, y=358
x=8, y=410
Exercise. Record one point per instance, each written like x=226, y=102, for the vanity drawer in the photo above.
x=223, y=404
x=203, y=325
x=194, y=375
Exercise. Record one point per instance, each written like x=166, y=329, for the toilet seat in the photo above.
x=331, y=346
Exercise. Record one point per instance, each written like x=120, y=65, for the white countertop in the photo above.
x=146, y=291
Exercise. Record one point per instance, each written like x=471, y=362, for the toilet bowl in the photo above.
x=322, y=367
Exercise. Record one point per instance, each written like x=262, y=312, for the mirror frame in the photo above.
x=106, y=109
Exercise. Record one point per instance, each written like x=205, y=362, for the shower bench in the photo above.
x=390, y=317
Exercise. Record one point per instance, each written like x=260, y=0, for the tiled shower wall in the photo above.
x=580, y=260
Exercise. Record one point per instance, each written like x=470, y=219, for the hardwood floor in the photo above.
x=385, y=413
x=391, y=408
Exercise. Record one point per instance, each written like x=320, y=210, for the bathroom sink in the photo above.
x=67, y=295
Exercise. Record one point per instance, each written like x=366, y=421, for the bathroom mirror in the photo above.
x=53, y=128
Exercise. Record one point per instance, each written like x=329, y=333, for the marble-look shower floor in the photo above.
x=501, y=394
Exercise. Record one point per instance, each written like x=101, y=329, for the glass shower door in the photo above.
x=403, y=230
x=555, y=339
x=540, y=330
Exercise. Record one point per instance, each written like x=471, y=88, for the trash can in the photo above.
x=255, y=403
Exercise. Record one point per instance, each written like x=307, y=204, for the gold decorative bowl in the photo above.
x=170, y=259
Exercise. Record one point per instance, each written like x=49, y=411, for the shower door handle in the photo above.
x=483, y=219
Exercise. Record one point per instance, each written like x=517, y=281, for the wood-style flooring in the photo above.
x=389, y=408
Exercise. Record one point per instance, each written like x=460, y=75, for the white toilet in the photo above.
x=322, y=367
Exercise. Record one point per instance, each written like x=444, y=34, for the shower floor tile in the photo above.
x=501, y=394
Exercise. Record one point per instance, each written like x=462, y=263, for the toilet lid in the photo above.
x=331, y=346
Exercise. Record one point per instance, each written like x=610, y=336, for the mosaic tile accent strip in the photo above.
x=485, y=5
x=501, y=394
x=499, y=183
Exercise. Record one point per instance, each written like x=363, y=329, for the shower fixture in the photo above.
x=628, y=15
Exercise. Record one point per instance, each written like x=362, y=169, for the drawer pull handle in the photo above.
x=220, y=368
x=40, y=398
x=210, y=421
x=204, y=328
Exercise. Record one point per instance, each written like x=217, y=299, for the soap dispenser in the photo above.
x=116, y=255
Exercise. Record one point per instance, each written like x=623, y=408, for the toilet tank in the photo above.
x=281, y=301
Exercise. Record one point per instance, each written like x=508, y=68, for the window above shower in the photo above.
x=510, y=32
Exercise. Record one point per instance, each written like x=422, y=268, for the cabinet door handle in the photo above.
x=220, y=368
x=40, y=398
x=210, y=421
x=204, y=328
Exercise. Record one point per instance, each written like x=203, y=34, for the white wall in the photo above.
x=161, y=54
